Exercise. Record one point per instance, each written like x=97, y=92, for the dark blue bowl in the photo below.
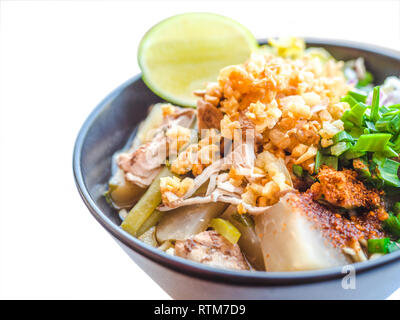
x=107, y=129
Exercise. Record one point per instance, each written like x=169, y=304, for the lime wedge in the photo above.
x=182, y=53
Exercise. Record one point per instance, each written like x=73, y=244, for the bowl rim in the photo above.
x=193, y=269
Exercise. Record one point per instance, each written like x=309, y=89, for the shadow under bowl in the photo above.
x=110, y=125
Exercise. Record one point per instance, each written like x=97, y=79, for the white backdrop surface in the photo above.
x=58, y=60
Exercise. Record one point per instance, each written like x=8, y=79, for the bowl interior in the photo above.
x=111, y=124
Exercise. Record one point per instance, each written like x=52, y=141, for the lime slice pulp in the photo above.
x=181, y=54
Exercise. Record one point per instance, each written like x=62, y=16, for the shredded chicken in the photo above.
x=212, y=249
x=223, y=189
x=220, y=194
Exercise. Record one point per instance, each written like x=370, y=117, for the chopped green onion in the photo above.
x=387, y=171
x=353, y=154
x=378, y=245
x=347, y=124
x=355, y=114
x=375, y=105
x=383, y=124
x=372, y=142
x=340, y=148
x=383, y=245
x=395, y=123
x=394, y=107
x=356, y=132
x=325, y=151
x=393, y=246
x=396, y=144
x=389, y=152
x=359, y=96
x=318, y=157
x=297, y=170
x=392, y=225
x=396, y=208
x=371, y=133
x=368, y=113
x=371, y=126
x=388, y=123
x=321, y=159
x=390, y=112
x=330, y=161
x=342, y=136
x=368, y=78
x=350, y=100
x=383, y=110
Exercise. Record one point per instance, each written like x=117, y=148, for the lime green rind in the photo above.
x=169, y=98
x=244, y=35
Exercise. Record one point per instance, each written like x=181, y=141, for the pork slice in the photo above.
x=142, y=165
x=181, y=117
x=212, y=249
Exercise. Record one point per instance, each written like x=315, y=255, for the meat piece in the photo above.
x=143, y=164
x=181, y=116
x=342, y=189
x=208, y=116
x=299, y=234
x=212, y=249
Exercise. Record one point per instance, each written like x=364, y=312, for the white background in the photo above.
x=58, y=60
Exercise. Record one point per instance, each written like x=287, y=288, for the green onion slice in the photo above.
x=372, y=142
x=375, y=105
x=392, y=225
x=378, y=245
